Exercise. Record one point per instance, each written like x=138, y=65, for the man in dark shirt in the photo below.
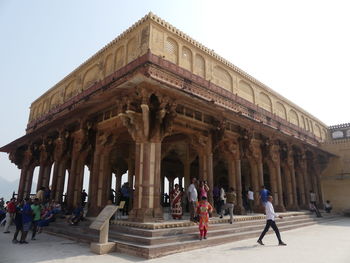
x=27, y=218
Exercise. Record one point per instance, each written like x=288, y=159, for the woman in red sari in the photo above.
x=203, y=210
x=175, y=202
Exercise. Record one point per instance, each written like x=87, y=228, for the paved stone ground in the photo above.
x=328, y=242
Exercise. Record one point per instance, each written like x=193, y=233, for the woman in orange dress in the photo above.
x=203, y=210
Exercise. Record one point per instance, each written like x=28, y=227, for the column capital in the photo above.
x=148, y=116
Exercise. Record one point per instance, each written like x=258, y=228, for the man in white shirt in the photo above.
x=270, y=221
x=192, y=198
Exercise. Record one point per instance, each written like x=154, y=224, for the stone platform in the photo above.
x=151, y=240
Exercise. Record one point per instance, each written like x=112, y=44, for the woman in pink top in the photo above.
x=203, y=189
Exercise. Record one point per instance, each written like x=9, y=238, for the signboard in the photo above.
x=104, y=217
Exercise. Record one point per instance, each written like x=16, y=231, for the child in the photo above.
x=203, y=210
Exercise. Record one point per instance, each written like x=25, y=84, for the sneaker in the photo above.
x=205, y=237
x=200, y=238
x=220, y=216
x=282, y=244
x=6, y=232
x=33, y=238
x=14, y=241
x=260, y=242
x=23, y=242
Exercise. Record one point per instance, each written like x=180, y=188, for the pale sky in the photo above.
x=300, y=49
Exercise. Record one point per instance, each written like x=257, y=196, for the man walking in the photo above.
x=230, y=202
x=10, y=214
x=270, y=221
x=264, y=193
x=192, y=198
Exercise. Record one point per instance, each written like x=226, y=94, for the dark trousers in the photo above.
x=274, y=227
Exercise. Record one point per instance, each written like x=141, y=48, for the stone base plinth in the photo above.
x=104, y=248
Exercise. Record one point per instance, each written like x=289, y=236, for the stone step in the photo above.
x=179, y=229
x=153, y=251
x=167, y=238
x=192, y=232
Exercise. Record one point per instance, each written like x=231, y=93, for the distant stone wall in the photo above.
x=336, y=177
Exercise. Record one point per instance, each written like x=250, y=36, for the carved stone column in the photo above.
x=254, y=155
x=305, y=181
x=27, y=159
x=148, y=118
x=317, y=170
x=290, y=163
x=232, y=153
x=28, y=181
x=76, y=168
x=275, y=158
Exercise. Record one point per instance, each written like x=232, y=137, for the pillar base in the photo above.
x=239, y=210
x=280, y=208
x=102, y=248
x=145, y=215
x=259, y=208
x=292, y=207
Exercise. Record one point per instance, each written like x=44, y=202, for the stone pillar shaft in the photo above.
x=147, y=186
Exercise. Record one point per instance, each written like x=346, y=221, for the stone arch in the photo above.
x=293, y=117
x=186, y=57
x=171, y=50
x=90, y=77
x=109, y=67
x=119, y=58
x=317, y=130
x=303, y=122
x=222, y=78
x=199, y=66
x=70, y=91
x=55, y=100
x=246, y=91
x=281, y=110
x=324, y=134
x=265, y=101
x=131, y=50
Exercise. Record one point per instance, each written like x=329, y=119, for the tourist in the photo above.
x=41, y=195
x=192, y=198
x=250, y=197
x=328, y=207
x=36, y=208
x=47, y=194
x=10, y=214
x=111, y=195
x=18, y=222
x=27, y=217
x=313, y=204
x=203, y=189
x=84, y=195
x=222, y=202
x=263, y=195
x=2, y=203
x=125, y=191
x=77, y=216
x=216, y=197
x=230, y=202
x=270, y=221
x=175, y=202
x=203, y=210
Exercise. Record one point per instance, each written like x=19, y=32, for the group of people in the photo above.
x=200, y=209
x=29, y=214
x=33, y=214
